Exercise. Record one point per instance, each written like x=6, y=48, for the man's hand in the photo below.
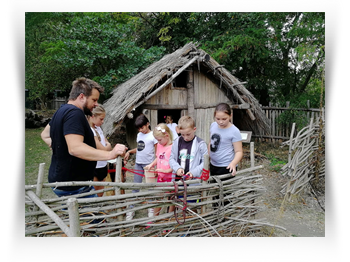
x=118, y=150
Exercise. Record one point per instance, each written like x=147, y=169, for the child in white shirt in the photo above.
x=145, y=154
x=95, y=121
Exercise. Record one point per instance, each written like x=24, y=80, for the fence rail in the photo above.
x=280, y=131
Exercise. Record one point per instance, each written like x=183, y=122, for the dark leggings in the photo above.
x=216, y=171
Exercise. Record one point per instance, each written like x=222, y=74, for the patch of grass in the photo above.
x=276, y=163
x=276, y=155
x=36, y=152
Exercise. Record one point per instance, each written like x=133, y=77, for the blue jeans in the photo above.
x=81, y=190
x=137, y=178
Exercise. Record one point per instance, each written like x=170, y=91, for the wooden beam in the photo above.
x=190, y=95
x=196, y=106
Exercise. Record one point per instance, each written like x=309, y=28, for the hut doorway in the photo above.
x=175, y=113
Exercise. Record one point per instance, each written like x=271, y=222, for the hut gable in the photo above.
x=190, y=81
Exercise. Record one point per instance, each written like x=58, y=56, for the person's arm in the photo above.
x=196, y=171
x=78, y=148
x=173, y=160
x=108, y=145
x=99, y=145
x=148, y=167
x=127, y=154
x=98, y=142
x=238, y=157
x=45, y=135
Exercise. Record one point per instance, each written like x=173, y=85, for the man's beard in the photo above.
x=87, y=111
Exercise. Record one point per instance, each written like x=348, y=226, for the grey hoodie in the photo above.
x=199, y=149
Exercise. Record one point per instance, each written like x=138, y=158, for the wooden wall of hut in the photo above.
x=206, y=95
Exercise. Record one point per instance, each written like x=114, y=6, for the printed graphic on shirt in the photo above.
x=140, y=145
x=183, y=156
x=215, y=142
x=163, y=161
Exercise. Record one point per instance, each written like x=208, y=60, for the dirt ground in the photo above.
x=301, y=216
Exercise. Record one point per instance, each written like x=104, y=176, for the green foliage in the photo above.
x=101, y=49
x=100, y=46
x=280, y=55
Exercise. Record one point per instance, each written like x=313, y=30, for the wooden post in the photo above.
x=190, y=95
x=252, y=158
x=118, y=179
x=290, y=144
x=73, y=217
x=39, y=185
x=204, y=192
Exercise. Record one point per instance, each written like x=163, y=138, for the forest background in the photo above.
x=280, y=55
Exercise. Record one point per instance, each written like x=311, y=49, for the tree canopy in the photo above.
x=280, y=55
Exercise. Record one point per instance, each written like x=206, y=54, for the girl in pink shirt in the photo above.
x=163, y=135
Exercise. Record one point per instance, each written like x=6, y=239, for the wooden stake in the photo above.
x=39, y=184
x=291, y=142
x=73, y=217
x=252, y=158
x=118, y=179
x=40, y=180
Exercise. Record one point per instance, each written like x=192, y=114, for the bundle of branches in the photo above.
x=306, y=163
x=104, y=216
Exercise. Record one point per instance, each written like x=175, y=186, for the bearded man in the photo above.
x=71, y=139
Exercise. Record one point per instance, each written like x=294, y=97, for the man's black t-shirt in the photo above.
x=69, y=119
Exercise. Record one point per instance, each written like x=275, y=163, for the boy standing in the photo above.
x=187, y=153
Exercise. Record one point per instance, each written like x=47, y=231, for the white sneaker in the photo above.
x=129, y=215
x=151, y=212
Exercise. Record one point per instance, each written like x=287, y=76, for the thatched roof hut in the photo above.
x=187, y=81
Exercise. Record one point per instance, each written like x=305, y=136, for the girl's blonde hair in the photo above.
x=161, y=130
x=98, y=110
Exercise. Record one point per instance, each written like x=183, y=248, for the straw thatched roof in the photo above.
x=158, y=75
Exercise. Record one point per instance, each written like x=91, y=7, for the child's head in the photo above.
x=163, y=134
x=187, y=127
x=98, y=116
x=222, y=115
x=169, y=119
x=142, y=124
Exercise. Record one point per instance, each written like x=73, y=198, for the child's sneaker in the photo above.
x=151, y=212
x=129, y=215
